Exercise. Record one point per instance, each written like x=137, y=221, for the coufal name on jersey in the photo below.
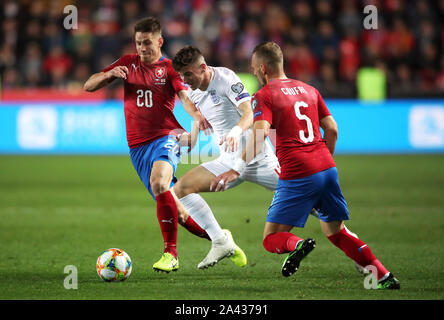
x=294, y=91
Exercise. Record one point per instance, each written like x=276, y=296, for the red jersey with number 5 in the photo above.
x=294, y=109
x=149, y=97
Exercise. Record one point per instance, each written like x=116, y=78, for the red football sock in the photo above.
x=357, y=251
x=167, y=216
x=281, y=242
x=194, y=228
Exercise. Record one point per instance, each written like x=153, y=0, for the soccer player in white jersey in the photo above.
x=222, y=99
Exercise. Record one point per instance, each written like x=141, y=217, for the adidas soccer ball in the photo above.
x=114, y=265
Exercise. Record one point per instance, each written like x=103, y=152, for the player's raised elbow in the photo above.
x=96, y=81
x=87, y=86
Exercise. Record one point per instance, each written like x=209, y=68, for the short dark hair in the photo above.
x=270, y=53
x=186, y=56
x=150, y=24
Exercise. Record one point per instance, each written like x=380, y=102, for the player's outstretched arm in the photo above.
x=253, y=147
x=191, y=109
x=246, y=121
x=189, y=139
x=328, y=124
x=101, y=79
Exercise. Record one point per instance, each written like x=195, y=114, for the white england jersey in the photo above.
x=219, y=104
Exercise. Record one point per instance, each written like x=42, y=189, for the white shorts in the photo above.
x=263, y=172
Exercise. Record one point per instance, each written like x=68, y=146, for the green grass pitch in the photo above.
x=65, y=210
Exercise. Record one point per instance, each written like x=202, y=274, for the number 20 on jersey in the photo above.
x=144, y=98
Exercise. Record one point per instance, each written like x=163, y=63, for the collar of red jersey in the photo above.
x=160, y=60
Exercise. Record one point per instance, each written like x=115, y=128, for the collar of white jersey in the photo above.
x=213, y=72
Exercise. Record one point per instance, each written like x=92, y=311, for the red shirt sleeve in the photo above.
x=322, y=108
x=122, y=61
x=176, y=80
x=262, y=107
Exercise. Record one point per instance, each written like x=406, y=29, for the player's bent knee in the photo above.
x=182, y=190
x=178, y=190
x=159, y=187
x=331, y=228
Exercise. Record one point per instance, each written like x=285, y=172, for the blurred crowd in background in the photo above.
x=324, y=42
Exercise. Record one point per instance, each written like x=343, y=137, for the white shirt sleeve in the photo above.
x=235, y=89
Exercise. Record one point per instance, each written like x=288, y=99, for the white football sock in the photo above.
x=199, y=210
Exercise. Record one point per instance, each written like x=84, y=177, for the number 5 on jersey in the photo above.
x=144, y=98
x=300, y=116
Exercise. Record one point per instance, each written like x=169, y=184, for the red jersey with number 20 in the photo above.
x=294, y=109
x=149, y=96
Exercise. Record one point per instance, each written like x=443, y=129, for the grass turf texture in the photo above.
x=65, y=210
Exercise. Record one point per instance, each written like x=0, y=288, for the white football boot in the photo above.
x=220, y=248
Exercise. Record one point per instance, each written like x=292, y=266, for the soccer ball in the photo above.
x=114, y=265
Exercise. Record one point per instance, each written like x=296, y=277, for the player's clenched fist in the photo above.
x=118, y=72
x=220, y=183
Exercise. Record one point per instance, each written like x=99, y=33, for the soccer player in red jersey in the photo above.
x=309, y=178
x=150, y=87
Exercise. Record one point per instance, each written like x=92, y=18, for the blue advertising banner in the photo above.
x=90, y=128
x=396, y=126
x=62, y=128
